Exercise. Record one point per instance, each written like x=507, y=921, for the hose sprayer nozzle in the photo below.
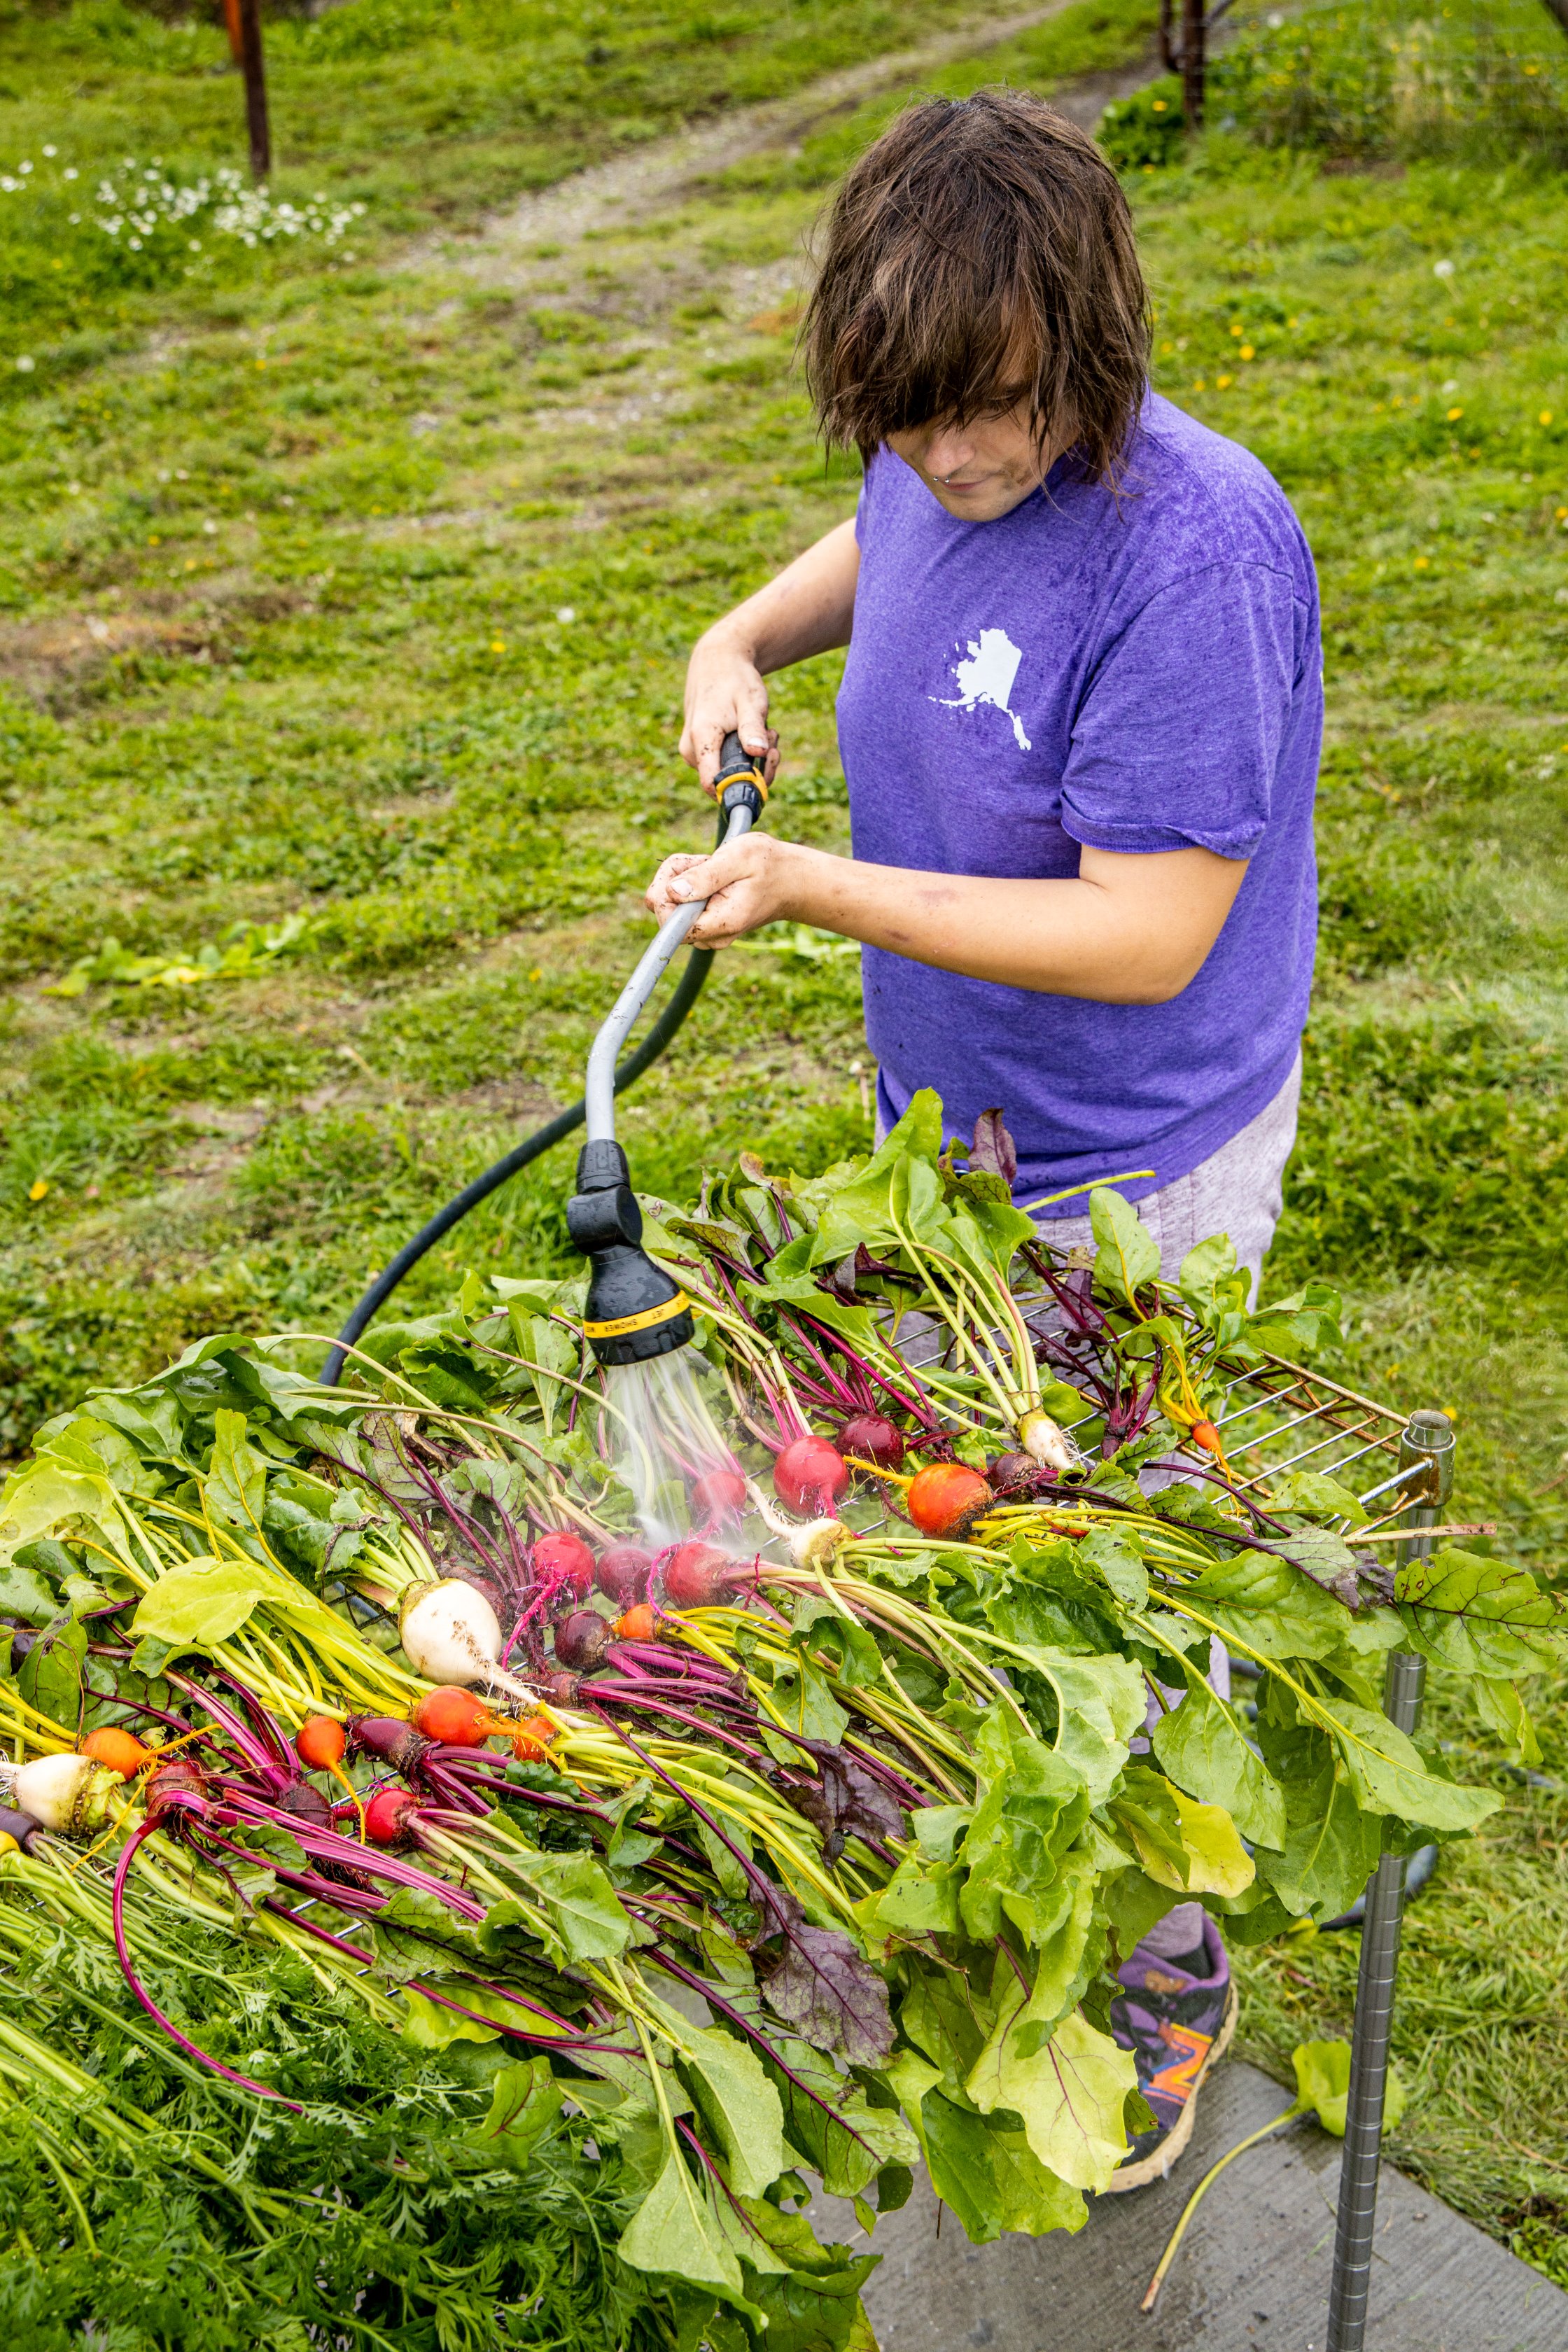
x=634, y=1311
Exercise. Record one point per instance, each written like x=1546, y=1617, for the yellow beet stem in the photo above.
x=1190, y=2208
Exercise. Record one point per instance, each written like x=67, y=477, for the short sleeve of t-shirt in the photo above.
x=860, y=502
x=1179, y=729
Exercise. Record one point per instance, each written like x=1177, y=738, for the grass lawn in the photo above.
x=343, y=606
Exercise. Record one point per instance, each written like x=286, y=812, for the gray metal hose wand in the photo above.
x=635, y=1311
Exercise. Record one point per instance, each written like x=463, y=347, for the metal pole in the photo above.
x=255, y=71
x=1192, y=32
x=1429, y=1444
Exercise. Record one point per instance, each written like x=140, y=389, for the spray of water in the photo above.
x=662, y=1439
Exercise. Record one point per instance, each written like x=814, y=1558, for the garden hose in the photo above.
x=742, y=791
x=635, y=1311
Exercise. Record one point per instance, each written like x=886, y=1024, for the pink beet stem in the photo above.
x=183, y=2041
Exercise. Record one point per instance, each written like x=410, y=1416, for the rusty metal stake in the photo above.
x=253, y=65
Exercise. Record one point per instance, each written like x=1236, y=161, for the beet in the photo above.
x=307, y=1804
x=561, y=1687
x=177, y=1787
x=389, y=1815
x=454, y=1717
x=581, y=1638
x=388, y=1738
x=944, y=1497
x=810, y=1476
x=718, y=1498
x=1011, y=1471
x=698, y=1576
x=563, y=1559
x=20, y=1828
x=320, y=1742
x=621, y=1573
x=873, y=1438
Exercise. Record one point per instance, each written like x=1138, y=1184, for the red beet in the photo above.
x=306, y=1804
x=581, y=1638
x=810, y=1476
x=697, y=1576
x=388, y=1814
x=621, y=1573
x=390, y=1738
x=1011, y=1470
x=561, y=1687
x=564, y=1559
x=874, y=1439
x=178, y=1786
x=717, y=1497
x=20, y=1828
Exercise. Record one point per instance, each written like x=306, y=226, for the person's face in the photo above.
x=982, y=470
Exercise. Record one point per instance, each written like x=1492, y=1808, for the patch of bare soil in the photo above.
x=72, y=647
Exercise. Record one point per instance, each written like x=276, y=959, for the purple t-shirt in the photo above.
x=1142, y=673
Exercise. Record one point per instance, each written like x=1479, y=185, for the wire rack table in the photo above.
x=1278, y=1416
x=1281, y=1417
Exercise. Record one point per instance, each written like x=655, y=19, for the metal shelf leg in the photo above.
x=1428, y=1445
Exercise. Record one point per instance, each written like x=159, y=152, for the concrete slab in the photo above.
x=1252, y=2274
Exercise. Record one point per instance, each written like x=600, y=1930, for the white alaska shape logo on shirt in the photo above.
x=988, y=678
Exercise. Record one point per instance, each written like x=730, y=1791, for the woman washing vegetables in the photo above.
x=1080, y=721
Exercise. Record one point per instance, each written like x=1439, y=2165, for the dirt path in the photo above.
x=655, y=177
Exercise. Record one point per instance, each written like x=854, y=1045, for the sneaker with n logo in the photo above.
x=1177, y=2020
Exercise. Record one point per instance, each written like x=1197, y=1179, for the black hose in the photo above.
x=687, y=991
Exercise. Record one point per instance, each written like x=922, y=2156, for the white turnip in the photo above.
x=1046, y=1443
x=67, y=1794
x=451, y=1635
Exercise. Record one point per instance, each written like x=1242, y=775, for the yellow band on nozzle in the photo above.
x=646, y=1321
x=755, y=774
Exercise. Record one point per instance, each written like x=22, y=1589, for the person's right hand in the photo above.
x=725, y=694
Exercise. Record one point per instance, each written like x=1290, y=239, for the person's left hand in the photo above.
x=746, y=883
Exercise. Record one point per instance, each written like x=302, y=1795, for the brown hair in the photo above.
x=979, y=253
